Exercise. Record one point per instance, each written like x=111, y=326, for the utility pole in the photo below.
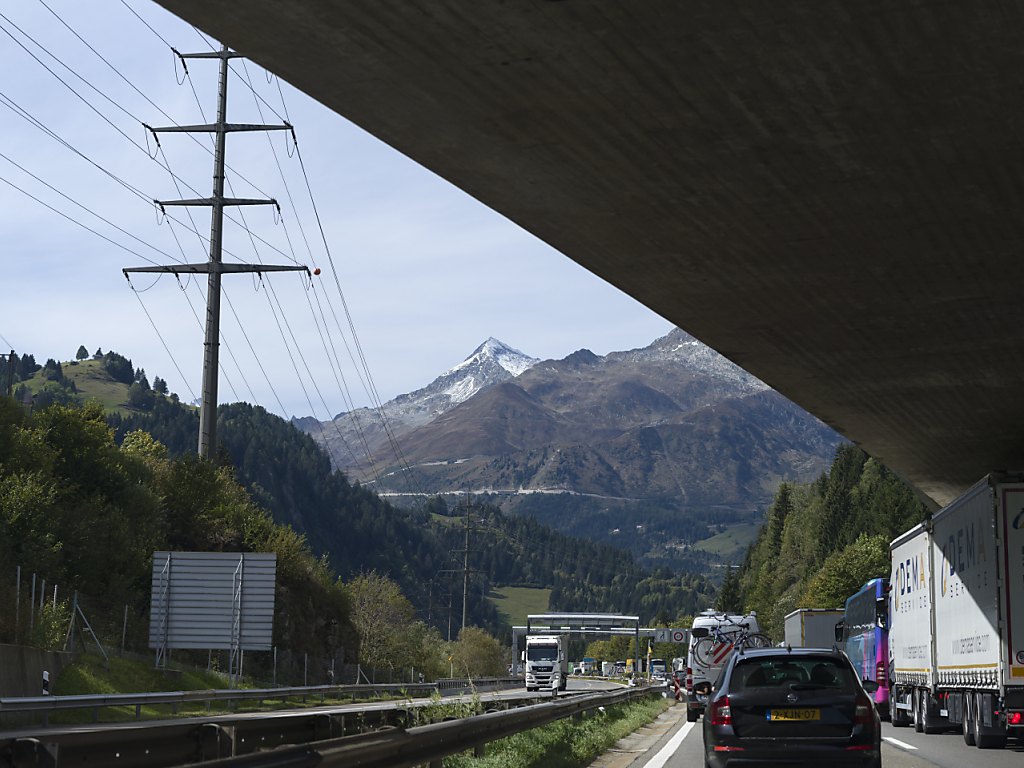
x=466, y=570
x=214, y=268
x=10, y=374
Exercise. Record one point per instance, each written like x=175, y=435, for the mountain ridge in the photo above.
x=671, y=419
x=350, y=437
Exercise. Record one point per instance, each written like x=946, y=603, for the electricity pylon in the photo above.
x=215, y=267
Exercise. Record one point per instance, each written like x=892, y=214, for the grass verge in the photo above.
x=566, y=743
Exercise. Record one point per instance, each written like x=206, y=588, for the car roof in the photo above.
x=789, y=652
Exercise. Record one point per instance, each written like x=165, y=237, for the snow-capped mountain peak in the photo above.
x=512, y=360
x=491, y=363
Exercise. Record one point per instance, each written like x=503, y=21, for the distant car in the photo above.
x=801, y=705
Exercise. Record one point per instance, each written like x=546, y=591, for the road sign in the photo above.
x=671, y=635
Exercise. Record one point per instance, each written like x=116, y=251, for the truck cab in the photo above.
x=546, y=664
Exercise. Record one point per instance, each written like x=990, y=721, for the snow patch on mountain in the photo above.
x=491, y=363
x=680, y=347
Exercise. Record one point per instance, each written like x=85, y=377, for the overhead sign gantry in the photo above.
x=599, y=625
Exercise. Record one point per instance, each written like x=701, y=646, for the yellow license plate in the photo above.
x=794, y=714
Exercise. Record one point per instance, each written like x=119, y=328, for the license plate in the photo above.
x=794, y=714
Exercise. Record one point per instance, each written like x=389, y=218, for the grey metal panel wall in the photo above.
x=192, y=600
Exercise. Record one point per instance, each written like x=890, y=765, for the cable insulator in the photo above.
x=184, y=66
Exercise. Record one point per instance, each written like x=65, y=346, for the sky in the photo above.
x=422, y=272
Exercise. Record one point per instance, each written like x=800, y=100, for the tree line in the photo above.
x=821, y=541
x=87, y=512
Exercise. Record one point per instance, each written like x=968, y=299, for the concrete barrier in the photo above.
x=21, y=674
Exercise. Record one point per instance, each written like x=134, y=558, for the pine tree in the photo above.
x=729, y=595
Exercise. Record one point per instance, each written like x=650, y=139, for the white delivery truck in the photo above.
x=956, y=608
x=812, y=627
x=546, y=665
x=713, y=637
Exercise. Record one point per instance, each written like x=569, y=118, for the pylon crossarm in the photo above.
x=216, y=200
x=211, y=266
x=213, y=128
x=221, y=54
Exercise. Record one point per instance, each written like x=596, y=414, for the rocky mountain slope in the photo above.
x=353, y=435
x=671, y=420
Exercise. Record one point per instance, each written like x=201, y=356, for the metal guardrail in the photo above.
x=47, y=704
x=427, y=744
x=296, y=738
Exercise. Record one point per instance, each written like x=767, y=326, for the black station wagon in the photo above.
x=791, y=707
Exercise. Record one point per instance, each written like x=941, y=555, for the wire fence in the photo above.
x=41, y=614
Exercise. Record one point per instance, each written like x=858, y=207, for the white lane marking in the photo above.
x=659, y=760
x=899, y=743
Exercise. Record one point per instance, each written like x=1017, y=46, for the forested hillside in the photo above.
x=283, y=471
x=79, y=510
x=583, y=575
x=822, y=540
x=644, y=527
x=286, y=472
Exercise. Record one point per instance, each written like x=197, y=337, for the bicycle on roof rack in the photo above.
x=711, y=641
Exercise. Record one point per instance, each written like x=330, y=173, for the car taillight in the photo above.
x=880, y=673
x=721, y=714
x=689, y=680
x=1014, y=718
x=863, y=714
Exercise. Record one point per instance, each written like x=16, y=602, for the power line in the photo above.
x=87, y=210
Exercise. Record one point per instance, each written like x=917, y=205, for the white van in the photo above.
x=712, y=641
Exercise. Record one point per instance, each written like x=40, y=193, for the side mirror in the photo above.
x=882, y=614
x=870, y=685
x=699, y=632
x=840, y=627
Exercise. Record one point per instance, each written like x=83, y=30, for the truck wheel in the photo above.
x=930, y=722
x=986, y=736
x=915, y=708
x=898, y=716
x=967, y=719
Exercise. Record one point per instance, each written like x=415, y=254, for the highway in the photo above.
x=682, y=747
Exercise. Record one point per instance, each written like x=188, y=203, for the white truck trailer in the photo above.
x=546, y=665
x=812, y=627
x=956, y=610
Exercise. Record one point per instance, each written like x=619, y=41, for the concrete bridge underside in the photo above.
x=831, y=194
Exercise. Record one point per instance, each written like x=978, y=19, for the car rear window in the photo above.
x=825, y=672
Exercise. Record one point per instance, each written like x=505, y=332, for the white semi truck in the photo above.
x=956, y=610
x=546, y=665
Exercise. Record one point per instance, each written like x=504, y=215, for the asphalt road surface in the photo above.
x=683, y=747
